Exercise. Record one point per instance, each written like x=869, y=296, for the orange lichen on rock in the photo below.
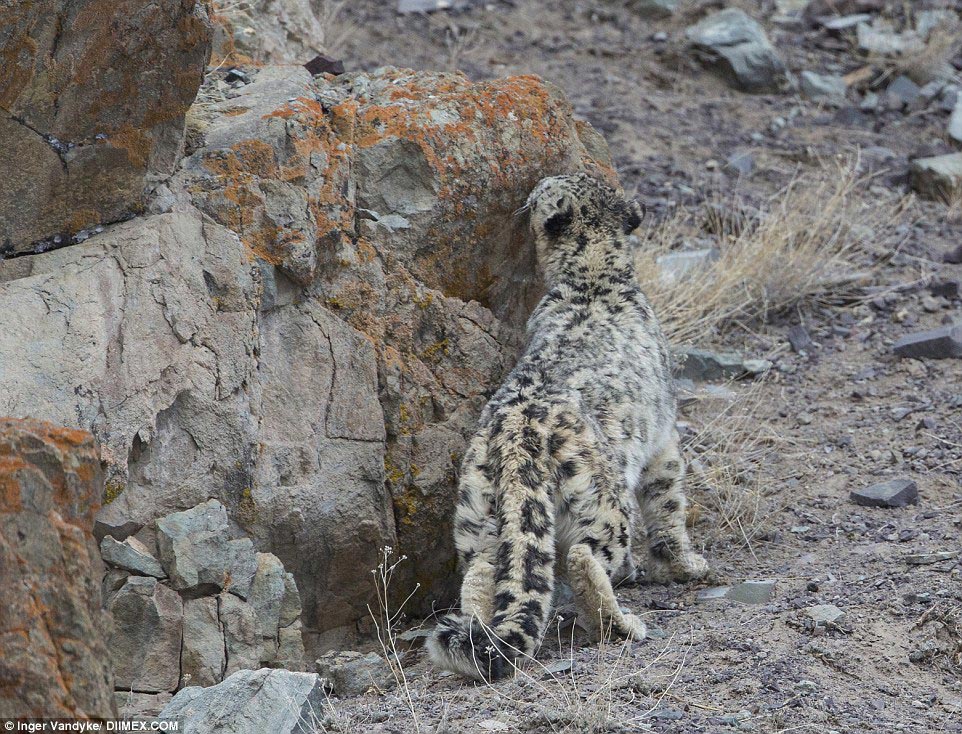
x=60, y=668
x=10, y=500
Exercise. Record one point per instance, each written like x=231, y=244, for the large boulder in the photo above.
x=54, y=660
x=199, y=554
x=93, y=95
x=251, y=702
x=306, y=330
x=735, y=45
x=273, y=31
x=145, y=645
x=217, y=607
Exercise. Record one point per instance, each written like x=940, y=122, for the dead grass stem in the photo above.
x=727, y=459
x=802, y=245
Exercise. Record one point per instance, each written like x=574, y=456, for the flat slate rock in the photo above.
x=251, y=702
x=131, y=555
x=942, y=343
x=747, y=592
x=937, y=177
x=923, y=559
x=895, y=493
x=825, y=614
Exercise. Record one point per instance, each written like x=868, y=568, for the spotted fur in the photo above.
x=579, y=437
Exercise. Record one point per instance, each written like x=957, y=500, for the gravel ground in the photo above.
x=843, y=415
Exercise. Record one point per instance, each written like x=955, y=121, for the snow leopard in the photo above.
x=578, y=439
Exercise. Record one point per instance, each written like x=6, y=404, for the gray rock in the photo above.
x=735, y=44
x=747, y=592
x=756, y=367
x=114, y=580
x=676, y=265
x=902, y=93
x=941, y=343
x=953, y=256
x=702, y=365
x=799, y=339
x=251, y=702
x=869, y=103
x=927, y=21
x=923, y=559
x=714, y=593
x=838, y=23
x=133, y=705
x=949, y=98
x=822, y=87
x=290, y=647
x=654, y=8
x=741, y=162
x=876, y=157
x=790, y=8
x=417, y=638
x=879, y=38
x=291, y=604
x=938, y=177
x=203, y=658
x=752, y=592
x=131, y=555
x=353, y=673
x=557, y=669
x=277, y=607
x=198, y=554
x=823, y=615
x=146, y=639
x=267, y=595
x=241, y=638
x=955, y=122
x=947, y=287
x=423, y=6
x=206, y=368
x=931, y=90
x=894, y=493
x=272, y=31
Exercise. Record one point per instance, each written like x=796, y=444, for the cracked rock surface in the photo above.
x=92, y=99
x=303, y=330
x=54, y=659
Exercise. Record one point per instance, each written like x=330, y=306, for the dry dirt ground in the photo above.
x=845, y=414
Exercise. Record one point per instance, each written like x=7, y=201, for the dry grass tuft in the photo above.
x=931, y=61
x=945, y=619
x=336, y=26
x=802, y=245
x=386, y=622
x=727, y=459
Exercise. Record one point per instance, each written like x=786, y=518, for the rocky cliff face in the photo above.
x=53, y=631
x=306, y=321
x=92, y=100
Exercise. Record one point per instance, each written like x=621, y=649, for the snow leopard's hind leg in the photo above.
x=598, y=608
x=599, y=515
x=661, y=497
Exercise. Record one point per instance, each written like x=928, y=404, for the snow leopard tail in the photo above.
x=522, y=557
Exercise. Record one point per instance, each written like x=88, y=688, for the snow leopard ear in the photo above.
x=558, y=222
x=632, y=216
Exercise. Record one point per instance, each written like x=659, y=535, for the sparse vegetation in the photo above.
x=802, y=245
x=335, y=24
x=727, y=460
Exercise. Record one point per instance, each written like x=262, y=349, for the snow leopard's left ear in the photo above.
x=632, y=216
